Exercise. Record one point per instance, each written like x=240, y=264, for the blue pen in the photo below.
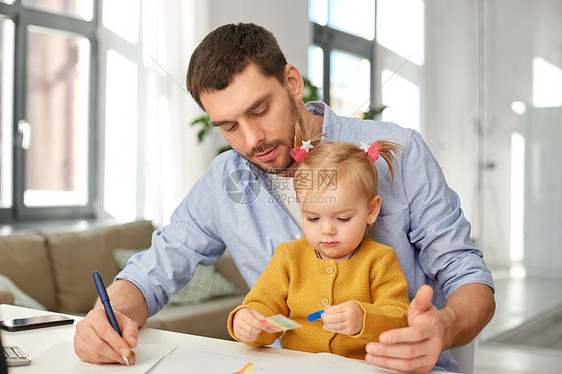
x=107, y=306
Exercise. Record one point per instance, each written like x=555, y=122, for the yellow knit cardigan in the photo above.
x=296, y=283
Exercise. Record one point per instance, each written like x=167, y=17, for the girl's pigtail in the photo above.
x=304, y=133
x=303, y=141
x=387, y=150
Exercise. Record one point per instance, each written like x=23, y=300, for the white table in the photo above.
x=35, y=342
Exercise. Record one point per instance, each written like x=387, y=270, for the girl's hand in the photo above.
x=345, y=318
x=247, y=324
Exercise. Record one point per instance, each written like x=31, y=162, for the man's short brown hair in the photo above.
x=227, y=51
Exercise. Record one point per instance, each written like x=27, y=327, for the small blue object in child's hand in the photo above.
x=314, y=316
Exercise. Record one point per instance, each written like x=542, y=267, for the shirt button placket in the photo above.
x=329, y=270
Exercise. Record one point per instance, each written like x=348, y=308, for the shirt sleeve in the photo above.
x=191, y=238
x=438, y=227
x=389, y=292
x=268, y=296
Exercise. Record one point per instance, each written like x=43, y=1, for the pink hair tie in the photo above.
x=373, y=150
x=298, y=153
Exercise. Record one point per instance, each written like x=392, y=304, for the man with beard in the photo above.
x=240, y=77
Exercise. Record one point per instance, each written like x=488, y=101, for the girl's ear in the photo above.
x=294, y=81
x=374, y=208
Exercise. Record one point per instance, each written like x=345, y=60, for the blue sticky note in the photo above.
x=314, y=316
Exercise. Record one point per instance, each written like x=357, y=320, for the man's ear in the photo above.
x=293, y=79
x=374, y=208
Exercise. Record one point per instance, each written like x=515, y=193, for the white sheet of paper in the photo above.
x=224, y=360
x=325, y=363
x=61, y=359
x=211, y=360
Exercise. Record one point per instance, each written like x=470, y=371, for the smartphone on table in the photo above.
x=20, y=324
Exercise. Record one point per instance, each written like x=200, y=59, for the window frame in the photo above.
x=329, y=39
x=23, y=17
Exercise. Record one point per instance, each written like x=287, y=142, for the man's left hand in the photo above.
x=416, y=348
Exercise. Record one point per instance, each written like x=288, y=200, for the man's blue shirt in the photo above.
x=234, y=205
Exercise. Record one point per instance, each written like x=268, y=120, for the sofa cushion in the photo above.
x=6, y=297
x=19, y=297
x=206, y=319
x=207, y=283
x=227, y=267
x=76, y=255
x=135, y=235
x=25, y=260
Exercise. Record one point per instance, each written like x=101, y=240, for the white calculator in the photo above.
x=15, y=356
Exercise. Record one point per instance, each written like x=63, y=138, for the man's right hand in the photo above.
x=97, y=342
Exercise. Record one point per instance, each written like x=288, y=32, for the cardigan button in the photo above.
x=329, y=270
x=325, y=301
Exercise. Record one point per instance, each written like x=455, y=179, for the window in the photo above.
x=73, y=8
x=341, y=61
x=47, y=54
x=6, y=112
x=350, y=77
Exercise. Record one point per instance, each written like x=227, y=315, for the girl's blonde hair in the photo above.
x=345, y=162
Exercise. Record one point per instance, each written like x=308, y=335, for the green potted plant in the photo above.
x=373, y=112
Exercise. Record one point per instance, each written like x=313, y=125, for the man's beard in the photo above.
x=286, y=160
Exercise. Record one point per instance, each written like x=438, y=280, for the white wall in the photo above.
x=479, y=60
x=508, y=62
x=451, y=94
x=543, y=201
x=474, y=51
